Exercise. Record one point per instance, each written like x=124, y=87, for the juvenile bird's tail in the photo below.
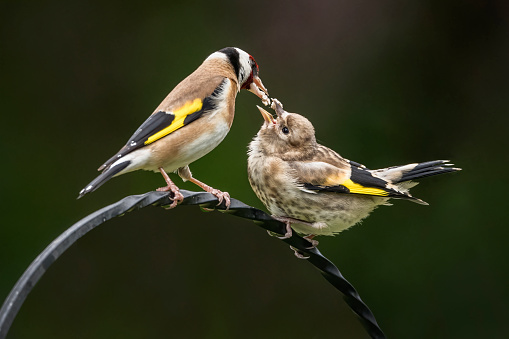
x=106, y=175
x=401, y=174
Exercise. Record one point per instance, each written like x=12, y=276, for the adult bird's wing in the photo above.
x=163, y=122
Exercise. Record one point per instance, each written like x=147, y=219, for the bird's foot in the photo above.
x=289, y=232
x=221, y=196
x=313, y=242
x=177, y=196
x=298, y=254
x=288, y=223
x=171, y=187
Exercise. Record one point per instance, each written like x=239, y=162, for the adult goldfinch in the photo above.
x=312, y=188
x=190, y=122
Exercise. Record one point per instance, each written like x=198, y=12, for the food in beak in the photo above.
x=266, y=116
x=259, y=90
x=278, y=107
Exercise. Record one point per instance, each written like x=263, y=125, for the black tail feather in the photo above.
x=426, y=169
x=103, y=177
x=408, y=197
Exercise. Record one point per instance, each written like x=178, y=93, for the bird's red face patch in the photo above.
x=254, y=65
x=254, y=72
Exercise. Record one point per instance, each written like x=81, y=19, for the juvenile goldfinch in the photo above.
x=312, y=188
x=189, y=123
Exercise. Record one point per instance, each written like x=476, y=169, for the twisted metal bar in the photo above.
x=39, y=266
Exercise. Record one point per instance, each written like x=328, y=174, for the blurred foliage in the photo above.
x=384, y=83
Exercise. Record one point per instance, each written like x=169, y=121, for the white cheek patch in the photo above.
x=245, y=67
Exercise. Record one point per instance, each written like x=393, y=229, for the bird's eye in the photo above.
x=285, y=130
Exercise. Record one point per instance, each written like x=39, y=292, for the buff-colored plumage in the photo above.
x=311, y=187
x=190, y=122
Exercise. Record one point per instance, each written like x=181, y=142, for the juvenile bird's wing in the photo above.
x=352, y=178
x=168, y=119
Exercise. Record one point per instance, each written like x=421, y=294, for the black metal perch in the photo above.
x=39, y=266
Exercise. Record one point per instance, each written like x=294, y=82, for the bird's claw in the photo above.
x=177, y=196
x=288, y=225
x=286, y=236
x=221, y=196
x=298, y=254
x=313, y=242
x=177, y=199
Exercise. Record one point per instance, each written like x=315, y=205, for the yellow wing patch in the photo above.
x=180, y=114
x=359, y=189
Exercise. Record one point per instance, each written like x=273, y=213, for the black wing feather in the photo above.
x=364, y=177
x=159, y=121
x=156, y=122
x=319, y=188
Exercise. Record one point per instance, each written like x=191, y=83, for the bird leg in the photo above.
x=185, y=174
x=288, y=221
x=288, y=234
x=313, y=242
x=177, y=196
x=217, y=193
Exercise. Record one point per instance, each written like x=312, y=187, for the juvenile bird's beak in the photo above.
x=266, y=116
x=259, y=90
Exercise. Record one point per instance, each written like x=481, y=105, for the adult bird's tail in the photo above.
x=106, y=175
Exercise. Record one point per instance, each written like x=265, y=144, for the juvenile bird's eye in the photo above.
x=285, y=130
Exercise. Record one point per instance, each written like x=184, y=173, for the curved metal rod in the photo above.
x=39, y=266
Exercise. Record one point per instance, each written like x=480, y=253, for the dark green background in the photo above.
x=385, y=83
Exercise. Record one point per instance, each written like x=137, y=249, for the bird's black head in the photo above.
x=247, y=71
